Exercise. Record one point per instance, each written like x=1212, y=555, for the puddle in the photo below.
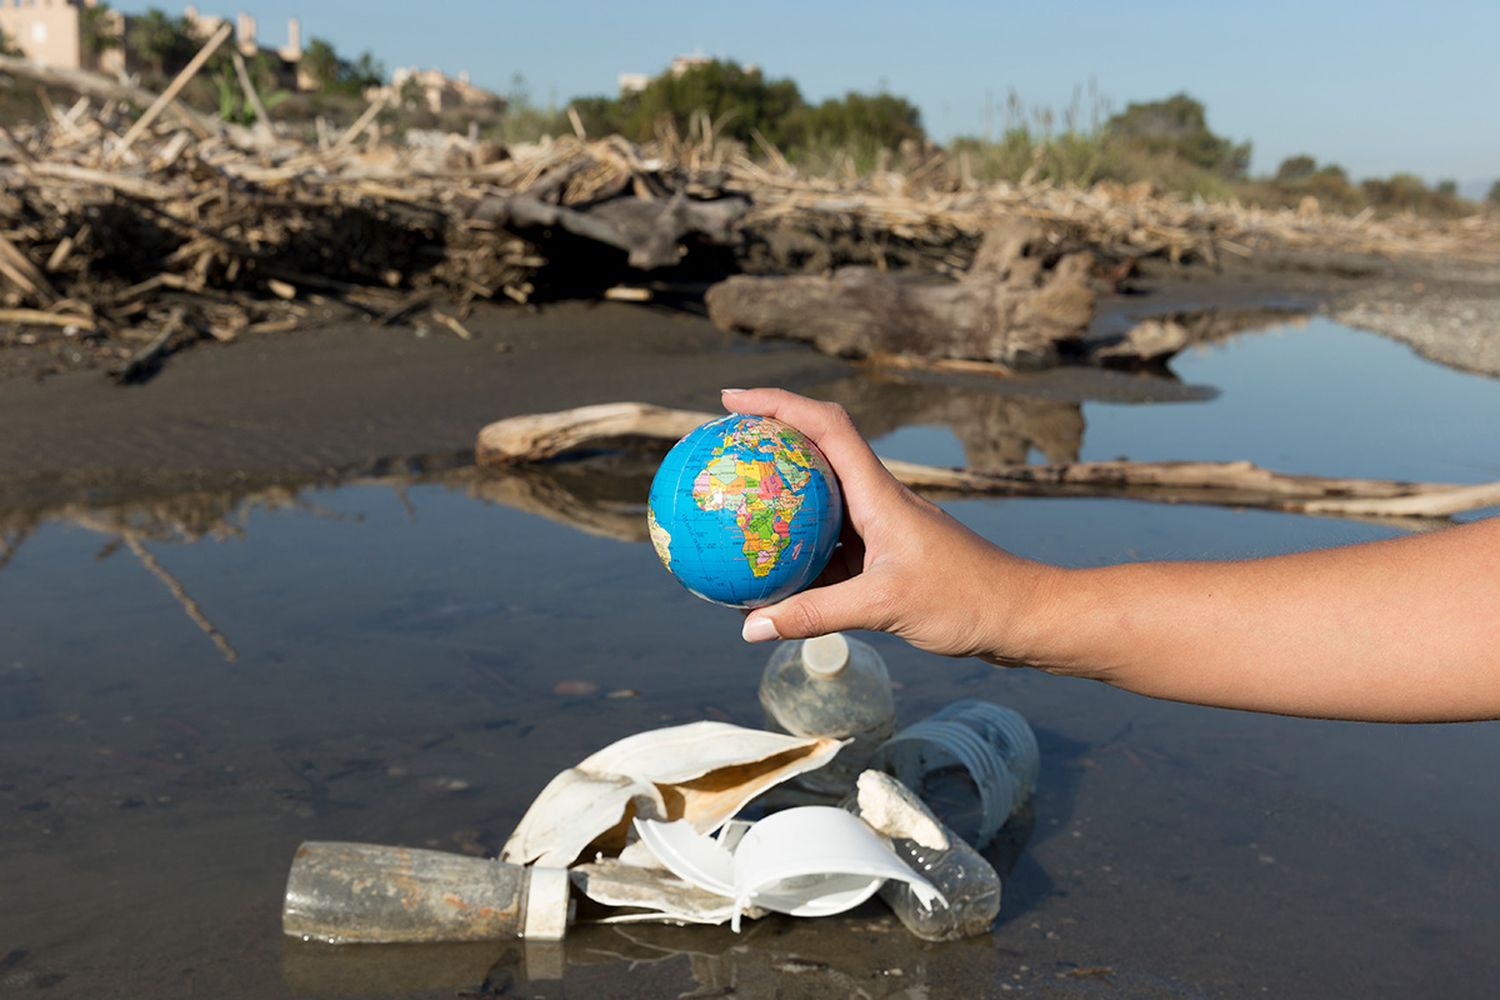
x=400, y=644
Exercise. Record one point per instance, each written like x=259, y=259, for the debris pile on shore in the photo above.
x=131, y=226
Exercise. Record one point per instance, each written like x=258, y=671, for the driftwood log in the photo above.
x=1009, y=308
x=651, y=231
x=534, y=438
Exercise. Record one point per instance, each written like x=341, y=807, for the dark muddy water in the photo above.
x=398, y=645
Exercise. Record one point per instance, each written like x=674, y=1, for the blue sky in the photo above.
x=1376, y=86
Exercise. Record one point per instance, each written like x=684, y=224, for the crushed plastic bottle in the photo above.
x=973, y=763
x=830, y=686
x=970, y=885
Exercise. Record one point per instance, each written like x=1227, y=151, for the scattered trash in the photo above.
x=648, y=828
x=577, y=689
x=973, y=763
x=642, y=895
x=346, y=893
x=969, y=884
x=703, y=772
x=830, y=686
x=812, y=861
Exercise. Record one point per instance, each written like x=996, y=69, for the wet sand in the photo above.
x=352, y=399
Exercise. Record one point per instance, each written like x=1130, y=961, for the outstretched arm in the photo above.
x=1401, y=630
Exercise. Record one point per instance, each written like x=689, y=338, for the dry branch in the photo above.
x=1008, y=309
x=262, y=116
x=102, y=88
x=167, y=96
x=216, y=212
x=534, y=438
x=189, y=605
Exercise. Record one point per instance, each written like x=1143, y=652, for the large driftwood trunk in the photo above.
x=1009, y=308
x=517, y=441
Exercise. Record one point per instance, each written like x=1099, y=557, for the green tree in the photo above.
x=1296, y=168
x=1447, y=187
x=321, y=62
x=742, y=101
x=1494, y=196
x=1399, y=191
x=96, y=31
x=413, y=94
x=364, y=72
x=7, y=47
x=881, y=119
x=162, y=42
x=738, y=99
x=1178, y=126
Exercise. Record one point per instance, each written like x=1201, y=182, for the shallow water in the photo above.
x=399, y=644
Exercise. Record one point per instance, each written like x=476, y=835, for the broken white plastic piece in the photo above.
x=703, y=772
x=812, y=861
x=642, y=895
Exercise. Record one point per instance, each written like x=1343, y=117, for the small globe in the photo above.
x=745, y=511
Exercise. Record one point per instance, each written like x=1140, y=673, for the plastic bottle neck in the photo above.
x=826, y=656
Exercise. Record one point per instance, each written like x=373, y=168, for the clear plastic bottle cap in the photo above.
x=826, y=655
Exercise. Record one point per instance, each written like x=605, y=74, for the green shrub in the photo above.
x=1178, y=126
x=741, y=102
x=334, y=73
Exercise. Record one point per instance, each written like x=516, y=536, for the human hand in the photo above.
x=904, y=566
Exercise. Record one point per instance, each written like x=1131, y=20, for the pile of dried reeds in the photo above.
x=134, y=226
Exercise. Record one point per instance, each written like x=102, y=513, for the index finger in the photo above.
x=828, y=426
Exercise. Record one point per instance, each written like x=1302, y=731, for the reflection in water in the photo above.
x=865, y=954
x=995, y=430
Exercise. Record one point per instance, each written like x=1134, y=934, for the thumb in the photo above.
x=837, y=608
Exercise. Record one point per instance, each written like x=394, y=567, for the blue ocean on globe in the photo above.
x=745, y=511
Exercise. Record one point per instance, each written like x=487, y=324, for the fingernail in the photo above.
x=759, y=630
x=725, y=392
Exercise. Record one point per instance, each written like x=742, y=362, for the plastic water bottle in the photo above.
x=344, y=893
x=970, y=885
x=973, y=763
x=830, y=686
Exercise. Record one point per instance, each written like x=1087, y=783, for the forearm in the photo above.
x=1401, y=630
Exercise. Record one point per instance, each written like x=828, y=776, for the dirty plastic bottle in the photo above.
x=344, y=893
x=973, y=763
x=970, y=885
x=830, y=686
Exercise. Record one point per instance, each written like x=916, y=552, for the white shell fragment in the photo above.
x=703, y=773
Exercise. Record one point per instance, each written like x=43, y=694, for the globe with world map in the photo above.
x=745, y=511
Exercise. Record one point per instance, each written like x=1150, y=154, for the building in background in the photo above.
x=437, y=91
x=55, y=33
x=51, y=32
x=634, y=83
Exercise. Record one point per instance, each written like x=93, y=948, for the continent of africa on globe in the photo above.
x=745, y=511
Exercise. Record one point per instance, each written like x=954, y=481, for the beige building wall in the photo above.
x=46, y=31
